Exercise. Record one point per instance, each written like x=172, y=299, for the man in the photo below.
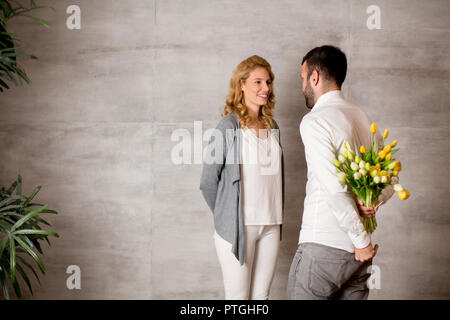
x=334, y=249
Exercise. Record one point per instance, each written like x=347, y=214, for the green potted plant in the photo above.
x=20, y=220
x=20, y=235
x=10, y=70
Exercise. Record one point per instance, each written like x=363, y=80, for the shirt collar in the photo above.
x=325, y=98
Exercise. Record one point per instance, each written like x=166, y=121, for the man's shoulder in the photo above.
x=309, y=119
x=348, y=107
x=308, y=124
x=340, y=110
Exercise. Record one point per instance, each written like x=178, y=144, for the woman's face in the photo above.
x=257, y=88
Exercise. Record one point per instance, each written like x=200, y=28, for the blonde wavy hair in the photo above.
x=235, y=103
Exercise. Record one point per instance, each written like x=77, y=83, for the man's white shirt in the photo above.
x=330, y=215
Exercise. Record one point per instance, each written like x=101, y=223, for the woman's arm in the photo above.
x=213, y=162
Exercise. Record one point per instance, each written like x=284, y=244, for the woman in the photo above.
x=244, y=186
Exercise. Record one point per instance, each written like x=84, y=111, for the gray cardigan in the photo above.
x=221, y=184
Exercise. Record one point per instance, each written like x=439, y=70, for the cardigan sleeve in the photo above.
x=213, y=162
x=282, y=165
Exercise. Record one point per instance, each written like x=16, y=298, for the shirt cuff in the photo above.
x=360, y=240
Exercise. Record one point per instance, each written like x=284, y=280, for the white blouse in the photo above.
x=261, y=179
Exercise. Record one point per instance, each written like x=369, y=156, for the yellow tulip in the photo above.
x=403, y=195
x=389, y=156
x=392, y=165
x=373, y=127
x=385, y=134
x=378, y=166
x=387, y=148
x=362, y=149
x=373, y=172
x=337, y=163
x=395, y=173
x=398, y=166
x=382, y=154
x=386, y=174
x=394, y=143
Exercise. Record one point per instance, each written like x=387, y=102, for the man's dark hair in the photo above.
x=329, y=61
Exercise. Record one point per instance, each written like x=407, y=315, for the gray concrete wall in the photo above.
x=94, y=130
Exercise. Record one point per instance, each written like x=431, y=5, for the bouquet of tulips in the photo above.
x=370, y=172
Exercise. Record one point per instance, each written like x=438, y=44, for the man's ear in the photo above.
x=315, y=77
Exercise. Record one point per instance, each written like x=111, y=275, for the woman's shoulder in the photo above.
x=275, y=124
x=228, y=122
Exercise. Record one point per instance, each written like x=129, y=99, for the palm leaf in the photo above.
x=31, y=253
x=12, y=259
x=4, y=283
x=12, y=187
x=3, y=244
x=32, y=231
x=24, y=277
x=15, y=206
x=33, y=194
x=19, y=185
x=28, y=217
x=3, y=84
x=29, y=266
x=10, y=199
x=16, y=287
x=38, y=20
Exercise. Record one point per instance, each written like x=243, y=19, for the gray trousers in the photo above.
x=319, y=272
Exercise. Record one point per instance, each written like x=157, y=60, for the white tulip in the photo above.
x=362, y=164
x=347, y=146
x=341, y=177
x=398, y=187
x=376, y=179
x=341, y=158
x=354, y=166
x=357, y=175
x=383, y=179
x=362, y=171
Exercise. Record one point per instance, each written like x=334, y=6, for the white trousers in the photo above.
x=253, y=279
